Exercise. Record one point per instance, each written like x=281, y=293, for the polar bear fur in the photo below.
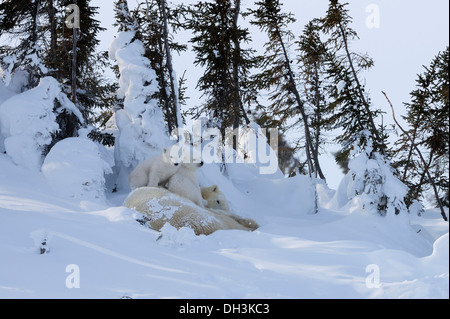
x=217, y=202
x=185, y=183
x=161, y=206
x=215, y=198
x=154, y=171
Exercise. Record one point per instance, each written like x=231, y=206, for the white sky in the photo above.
x=410, y=34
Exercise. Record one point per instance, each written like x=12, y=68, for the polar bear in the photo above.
x=217, y=202
x=154, y=171
x=161, y=206
x=215, y=198
x=185, y=183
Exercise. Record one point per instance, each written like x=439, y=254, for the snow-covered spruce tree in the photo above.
x=428, y=119
x=20, y=20
x=32, y=130
x=373, y=180
x=75, y=62
x=142, y=131
x=278, y=76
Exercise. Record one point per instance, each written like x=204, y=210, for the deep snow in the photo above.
x=98, y=246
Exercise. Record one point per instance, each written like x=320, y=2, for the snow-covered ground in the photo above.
x=58, y=246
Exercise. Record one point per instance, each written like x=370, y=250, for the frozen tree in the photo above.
x=28, y=122
x=142, y=131
x=20, y=20
x=363, y=143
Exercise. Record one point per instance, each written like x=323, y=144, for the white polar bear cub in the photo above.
x=154, y=171
x=185, y=183
x=215, y=198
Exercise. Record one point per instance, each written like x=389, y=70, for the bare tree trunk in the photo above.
x=53, y=35
x=310, y=149
x=411, y=149
x=239, y=107
x=74, y=61
x=34, y=74
x=173, y=81
x=436, y=194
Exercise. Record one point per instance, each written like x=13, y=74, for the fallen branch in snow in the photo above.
x=421, y=158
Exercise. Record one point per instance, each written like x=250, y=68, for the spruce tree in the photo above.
x=73, y=59
x=142, y=131
x=78, y=58
x=154, y=19
x=363, y=142
x=218, y=43
x=20, y=20
x=428, y=119
x=352, y=106
x=312, y=59
x=279, y=77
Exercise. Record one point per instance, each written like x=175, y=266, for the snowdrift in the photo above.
x=60, y=247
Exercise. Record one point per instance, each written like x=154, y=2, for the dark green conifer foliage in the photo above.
x=218, y=43
x=278, y=75
x=20, y=20
x=352, y=109
x=428, y=119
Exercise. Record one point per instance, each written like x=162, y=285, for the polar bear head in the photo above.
x=215, y=198
x=168, y=157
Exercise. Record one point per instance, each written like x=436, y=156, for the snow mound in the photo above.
x=75, y=168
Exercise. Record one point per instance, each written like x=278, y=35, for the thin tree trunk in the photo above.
x=239, y=107
x=74, y=61
x=53, y=35
x=173, y=81
x=436, y=194
x=34, y=74
x=361, y=93
x=411, y=150
x=301, y=107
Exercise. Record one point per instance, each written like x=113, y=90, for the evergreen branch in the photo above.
x=421, y=158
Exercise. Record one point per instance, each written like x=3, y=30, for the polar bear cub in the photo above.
x=154, y=171
x=215, y=198
x=185, y=183
x=217, y=202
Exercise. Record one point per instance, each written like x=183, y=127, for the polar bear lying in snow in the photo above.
x=161, y=206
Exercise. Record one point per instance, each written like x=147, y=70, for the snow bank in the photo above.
x=75, y=168
x=293, y=255
x=28, y=120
